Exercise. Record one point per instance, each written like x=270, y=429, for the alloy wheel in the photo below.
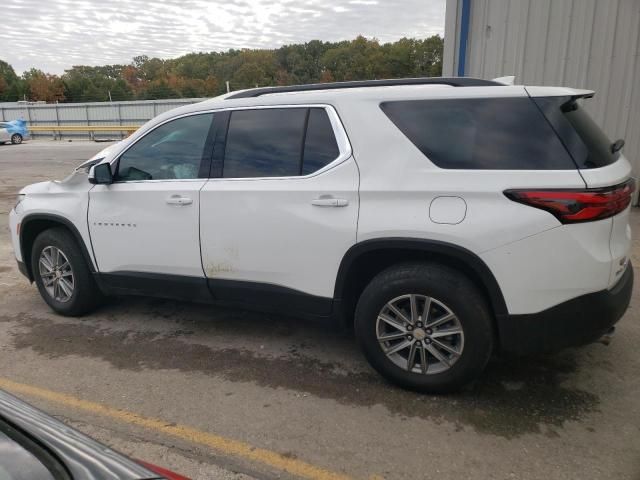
x=420, y=334
x=56, y=274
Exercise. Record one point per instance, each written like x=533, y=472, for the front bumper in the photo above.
x=575, y=322
x=23, y=270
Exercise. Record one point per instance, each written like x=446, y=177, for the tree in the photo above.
x=44, y=87
x=10, y=83
x=204, y=73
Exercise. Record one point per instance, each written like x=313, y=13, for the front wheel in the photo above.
x=62, y=275
x=424, y=326
x=16, y=138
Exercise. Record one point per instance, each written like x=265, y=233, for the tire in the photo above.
x=16, y=139
x=453, y=297
x=74, y=294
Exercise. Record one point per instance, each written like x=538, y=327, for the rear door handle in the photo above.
x=329, y=202
x=179, y=200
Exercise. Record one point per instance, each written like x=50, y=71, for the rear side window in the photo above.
x=278, y=142
x=481, y=133
x=585, y=140
x=264, y=143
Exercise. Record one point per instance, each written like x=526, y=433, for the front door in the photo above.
x=145, y=224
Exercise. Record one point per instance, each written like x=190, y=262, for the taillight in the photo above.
x=167, y=474
x=573, y=206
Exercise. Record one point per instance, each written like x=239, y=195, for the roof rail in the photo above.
x=452, y=81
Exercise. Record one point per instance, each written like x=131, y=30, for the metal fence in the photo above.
x=94, y=113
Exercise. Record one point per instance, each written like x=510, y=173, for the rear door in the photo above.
x=282, y=212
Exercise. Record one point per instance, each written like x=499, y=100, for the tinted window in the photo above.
x=264, y=143
x=171, y=151
x=17, y=463
x=587, y=143
x=483, y=133
x=320, y=147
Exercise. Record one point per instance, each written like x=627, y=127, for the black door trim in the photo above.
x=269, y=297
x=233, y=293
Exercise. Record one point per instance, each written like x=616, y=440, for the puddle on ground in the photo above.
x=513, y=397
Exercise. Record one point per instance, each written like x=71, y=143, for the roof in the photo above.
x=341, y=94
x=451, y=81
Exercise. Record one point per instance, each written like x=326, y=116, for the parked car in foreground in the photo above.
x=444, y=218
x=36, y=446
x=14, y=131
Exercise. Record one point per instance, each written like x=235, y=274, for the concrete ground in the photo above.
x=298, y=395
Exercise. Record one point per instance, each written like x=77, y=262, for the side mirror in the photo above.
x=101, y=174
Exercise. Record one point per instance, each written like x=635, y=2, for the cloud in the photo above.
x=53, y=35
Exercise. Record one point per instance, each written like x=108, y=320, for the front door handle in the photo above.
x=179, y=200
x=329, y=202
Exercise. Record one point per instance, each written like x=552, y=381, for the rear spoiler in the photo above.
x=582, y=93
x=574, y=93
x=508, y=80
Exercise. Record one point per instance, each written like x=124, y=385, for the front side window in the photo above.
x=481, y=133
x=278, y=142
x=172, y=151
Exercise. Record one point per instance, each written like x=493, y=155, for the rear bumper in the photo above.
x=575, y=322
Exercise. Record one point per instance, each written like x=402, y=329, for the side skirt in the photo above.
x=232, y=293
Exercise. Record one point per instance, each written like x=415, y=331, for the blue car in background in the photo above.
x=14, y=131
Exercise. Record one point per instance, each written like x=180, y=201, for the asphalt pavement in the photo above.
x=220, y=393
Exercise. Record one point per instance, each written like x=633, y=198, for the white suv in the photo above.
x=444, y=218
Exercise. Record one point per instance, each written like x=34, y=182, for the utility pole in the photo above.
x=228, y=86
x=110, y=96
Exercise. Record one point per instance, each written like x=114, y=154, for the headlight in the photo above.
x=19, y=200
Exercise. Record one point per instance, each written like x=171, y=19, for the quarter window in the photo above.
x=481, y=133
x=278, y=142
x=172, y=151
x=584, y=139
x=320, y=146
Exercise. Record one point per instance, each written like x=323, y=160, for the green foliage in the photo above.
x=11, y=86
x=204, y=74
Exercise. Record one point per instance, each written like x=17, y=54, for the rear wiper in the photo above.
x=617, y=145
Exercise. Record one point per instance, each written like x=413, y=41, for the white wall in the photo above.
x=593, y=44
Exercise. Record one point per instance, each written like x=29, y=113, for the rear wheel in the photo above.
x=16, y=138
x=424, y=326
x=62, y=275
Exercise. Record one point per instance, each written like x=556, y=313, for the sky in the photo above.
x=53, y=35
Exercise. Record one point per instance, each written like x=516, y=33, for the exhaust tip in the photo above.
x=607, y=337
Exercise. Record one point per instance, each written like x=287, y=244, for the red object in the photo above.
x=574, y=206
x=168, y=474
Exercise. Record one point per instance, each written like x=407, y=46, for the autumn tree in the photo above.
x=204, y=74
x=44, y=87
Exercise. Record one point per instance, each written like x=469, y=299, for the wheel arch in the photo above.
x=366, y=259
x=34, y=224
